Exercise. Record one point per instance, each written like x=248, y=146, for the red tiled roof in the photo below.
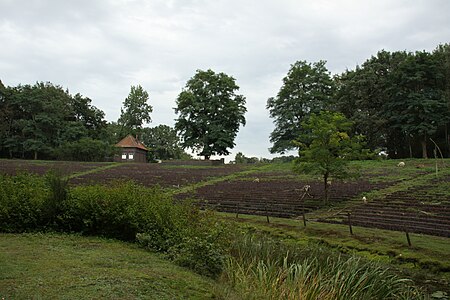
x=130, y=142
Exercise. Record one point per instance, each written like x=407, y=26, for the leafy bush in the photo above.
x=123, y=210
x=85, y=149
x=204, y=249
x=53, y=205
x=21, y=201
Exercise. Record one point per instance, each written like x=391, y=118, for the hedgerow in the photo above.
x=122, y=210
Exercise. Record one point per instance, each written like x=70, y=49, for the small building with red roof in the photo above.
x=131, y=150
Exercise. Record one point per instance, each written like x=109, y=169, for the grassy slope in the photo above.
x=427, y=261
x=53, y=266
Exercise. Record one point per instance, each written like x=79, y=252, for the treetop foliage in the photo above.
x=36, y=120
x=135, y=111
x=399, y=100
x=307, y=88
x=210, y=113
x=326, y=147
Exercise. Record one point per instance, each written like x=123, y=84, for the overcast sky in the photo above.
x=101, y=48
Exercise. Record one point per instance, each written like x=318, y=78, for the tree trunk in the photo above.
x=35, y=155
x=207, y=157
x=423, y=142
x=325, y=182
x=410, y=147
x=447, y=140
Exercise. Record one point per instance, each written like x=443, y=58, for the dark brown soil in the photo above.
x=280, y=198
x=12, y=167
x=156, y=174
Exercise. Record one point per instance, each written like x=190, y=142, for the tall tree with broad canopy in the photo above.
x=135, y=111
x=210, y=113
x=306, y=89
x=325, y=147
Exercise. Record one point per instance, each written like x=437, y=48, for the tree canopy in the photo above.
x=135, y=111
x=325, y=147
x=307, y=88
x=399, y=100
x=210, y=113
x=38, y=119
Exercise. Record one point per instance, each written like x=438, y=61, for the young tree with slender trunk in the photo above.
x=326, y=148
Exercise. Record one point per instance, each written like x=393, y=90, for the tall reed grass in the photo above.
x=263, y=269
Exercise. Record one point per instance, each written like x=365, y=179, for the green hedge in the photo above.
x=122, y=210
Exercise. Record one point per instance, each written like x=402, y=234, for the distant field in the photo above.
x=15, y=166
x=152, y=174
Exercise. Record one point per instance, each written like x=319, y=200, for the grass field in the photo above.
x=54, y=266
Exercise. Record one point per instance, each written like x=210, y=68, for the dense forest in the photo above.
x=44, y=121
x=400, y=102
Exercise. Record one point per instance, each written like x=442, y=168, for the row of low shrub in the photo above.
x=123, y=210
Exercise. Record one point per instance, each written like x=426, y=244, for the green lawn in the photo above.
x=53, y=266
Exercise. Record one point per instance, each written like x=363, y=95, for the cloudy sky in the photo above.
x=101, y=48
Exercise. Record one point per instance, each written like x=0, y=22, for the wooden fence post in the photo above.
x=267, y=214
x=304, y=218
x=237, y=210
x=350, y=223
x=407, y=237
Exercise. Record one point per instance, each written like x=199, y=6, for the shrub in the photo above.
x=204, y=249
x=85, y=149
x=54, y=203
x=122, y=210
x=21, y=201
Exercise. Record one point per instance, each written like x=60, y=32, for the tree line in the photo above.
x=44, y=121
x=399, y=101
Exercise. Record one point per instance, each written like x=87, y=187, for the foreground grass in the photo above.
x=427, y=262
x=53, y=266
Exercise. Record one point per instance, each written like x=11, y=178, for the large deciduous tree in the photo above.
x=325, y=147
x=306, y=89
x=442, y=55
x=363, y=93
x=210, y=113
x=418, y=105
x=135, y=111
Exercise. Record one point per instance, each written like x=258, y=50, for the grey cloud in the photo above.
x=100, y=48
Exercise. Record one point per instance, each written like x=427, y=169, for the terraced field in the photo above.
x=275, y=197
x=420, y=209
x=409, y=198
